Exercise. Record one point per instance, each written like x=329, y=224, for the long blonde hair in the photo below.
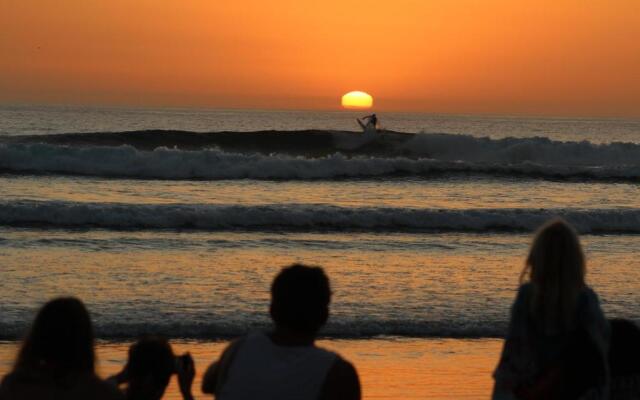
x=556, y=269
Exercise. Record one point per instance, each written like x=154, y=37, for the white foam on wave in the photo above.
x=582, y=161
x=535, y=150
x=305, y=217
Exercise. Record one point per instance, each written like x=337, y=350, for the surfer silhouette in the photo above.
x=368, y=123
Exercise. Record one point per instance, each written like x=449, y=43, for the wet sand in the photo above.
x=389, y=368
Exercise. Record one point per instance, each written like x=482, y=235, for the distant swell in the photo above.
x=305, y=217
x=451, y=155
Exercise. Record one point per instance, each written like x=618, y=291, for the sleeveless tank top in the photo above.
x=263, y=370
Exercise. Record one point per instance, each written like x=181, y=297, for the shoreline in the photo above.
x=389, y=368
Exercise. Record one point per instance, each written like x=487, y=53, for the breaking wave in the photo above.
x=450, y=154
x=292, y=217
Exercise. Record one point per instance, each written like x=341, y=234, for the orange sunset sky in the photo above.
x=555, y=57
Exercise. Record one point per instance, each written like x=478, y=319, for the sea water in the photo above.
x=423, y=239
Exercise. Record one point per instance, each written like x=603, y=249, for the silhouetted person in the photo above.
x=286, y=364
x=56, y=360
x=624, y=360
x=149, y=368
x=368, y=123
x=558, y=338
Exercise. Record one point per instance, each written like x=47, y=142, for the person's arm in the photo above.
x=217, y=372
x=512, y=368
x=593, y=319
x=342, y=382
x=599, y=331
x=186, y=371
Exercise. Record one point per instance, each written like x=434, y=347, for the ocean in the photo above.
x=175, y=221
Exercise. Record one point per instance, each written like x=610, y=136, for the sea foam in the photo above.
x=447, y=154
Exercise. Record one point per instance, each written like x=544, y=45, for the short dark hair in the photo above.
x=151, y=356
x=300, y=297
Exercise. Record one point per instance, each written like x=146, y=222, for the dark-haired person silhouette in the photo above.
x=558, y=338
x=286, y=363
x=56, y=360
x=149, y=368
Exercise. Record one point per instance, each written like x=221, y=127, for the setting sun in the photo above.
x=357, y=99
x=228, y=193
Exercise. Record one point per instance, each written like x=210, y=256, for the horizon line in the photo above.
x=337, y=109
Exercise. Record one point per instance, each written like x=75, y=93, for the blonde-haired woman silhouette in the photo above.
x=557, y=343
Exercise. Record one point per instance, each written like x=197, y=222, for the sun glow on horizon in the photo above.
x=357, y=100
x=437, y=56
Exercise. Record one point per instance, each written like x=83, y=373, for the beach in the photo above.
x=389, y=368
x=439, y=191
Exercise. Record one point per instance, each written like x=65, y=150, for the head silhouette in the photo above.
x=149, y=369
x=60, y=340
x=556, y=268
x=300, y=297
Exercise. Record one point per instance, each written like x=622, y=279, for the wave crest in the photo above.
x=306, y=217
x=542, y=158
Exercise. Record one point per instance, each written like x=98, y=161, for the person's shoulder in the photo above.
x=343, y=368
x=22, y=375
x=525, y=291
x=8, y=380
x=216, y=373
x=525, y=287
x=589, y=297
x=590, y=313
x=234, y=345
x=7, y=385
x=25, y=387
x=342, y=381
x=19, y=379
x=27, y=384
x=251, y=336
x=588, y=291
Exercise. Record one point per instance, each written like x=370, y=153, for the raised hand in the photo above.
x=186, y=371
